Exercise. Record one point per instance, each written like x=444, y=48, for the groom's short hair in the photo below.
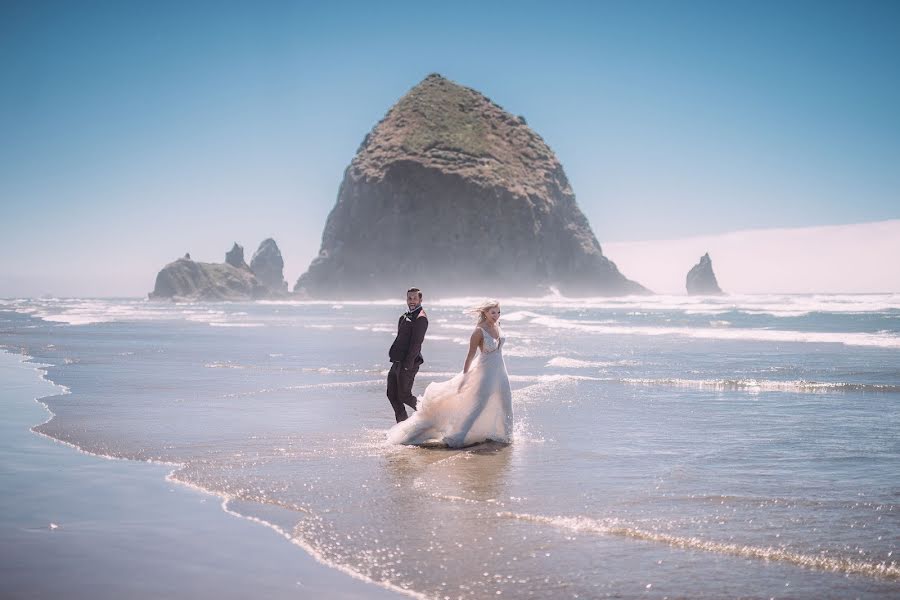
x=415, y=290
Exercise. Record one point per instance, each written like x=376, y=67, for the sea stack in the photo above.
x=186, y=279
x=451, y=193
x=701, y=280
x=235, y=257
x=268, y=266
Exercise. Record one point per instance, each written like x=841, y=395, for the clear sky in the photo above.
x=133, y=132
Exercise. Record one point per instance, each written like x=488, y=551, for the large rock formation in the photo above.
x=235, y=257
x=186, y=279
x=455, y=195
x=701, y=280
x=268, y=266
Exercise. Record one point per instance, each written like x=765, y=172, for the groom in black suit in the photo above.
x=406, y=354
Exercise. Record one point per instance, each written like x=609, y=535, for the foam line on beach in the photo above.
x=881, y=340
x=565, y=362
x=884, y=570
x=41, y=370
x=226, y=498
x=310, y=386
x=763, y=385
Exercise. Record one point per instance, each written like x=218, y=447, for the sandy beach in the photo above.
x=81, y=526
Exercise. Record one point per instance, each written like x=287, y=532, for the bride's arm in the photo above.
x=474, y=343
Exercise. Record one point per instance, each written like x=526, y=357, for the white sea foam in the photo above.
x=302, y=387
x=534, y=379
x=763, y=385
x=887, y=570
x=520, y=315
x=882, y=340
x=226, y=498
x=564, y=362
x=772, y=304
x=306, y=546
x=332, y=303
x=442, y=338
x=375, y=329
x=75, y=311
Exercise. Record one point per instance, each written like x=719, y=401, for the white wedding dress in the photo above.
x=472, y=407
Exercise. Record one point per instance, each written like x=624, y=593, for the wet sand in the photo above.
x=74, y=525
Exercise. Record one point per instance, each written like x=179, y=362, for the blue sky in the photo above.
x=136, y=131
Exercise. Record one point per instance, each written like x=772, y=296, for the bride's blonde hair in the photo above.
x=479, y=311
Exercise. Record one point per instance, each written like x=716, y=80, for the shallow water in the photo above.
x=664, y=446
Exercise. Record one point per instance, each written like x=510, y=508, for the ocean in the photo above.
x=664, y=446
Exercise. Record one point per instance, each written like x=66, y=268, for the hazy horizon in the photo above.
x=760, y=261
x=137, y=132
x=801, y=260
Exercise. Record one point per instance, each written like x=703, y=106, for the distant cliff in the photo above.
x=701, y=280
x=455, y=195
x=186, y=279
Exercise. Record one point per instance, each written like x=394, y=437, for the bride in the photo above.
x=474, y=406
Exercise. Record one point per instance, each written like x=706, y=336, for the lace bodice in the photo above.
x=489, y=343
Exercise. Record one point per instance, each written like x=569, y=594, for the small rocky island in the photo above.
x=186, y=279
x=453, y=194
x=701, y=280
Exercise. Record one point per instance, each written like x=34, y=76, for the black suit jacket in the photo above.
x=407, y=346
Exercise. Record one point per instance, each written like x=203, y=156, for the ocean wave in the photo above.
x=302, y=387
x=91, y=311
x=520, y=315
x=373, y=328
x=881, y=340
x=779, y=305
x=334, y=304
x=564, y=362
x=84, y=311
x=224, y=365
x=763, y=385
x=886, y=570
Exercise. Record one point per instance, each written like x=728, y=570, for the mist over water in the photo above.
x=664, y=446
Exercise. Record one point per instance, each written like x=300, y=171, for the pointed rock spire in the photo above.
x=268, y=266
x=701, y=280
x=235, y=257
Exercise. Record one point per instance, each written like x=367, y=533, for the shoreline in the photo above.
x=311, y=576
x=274, y=435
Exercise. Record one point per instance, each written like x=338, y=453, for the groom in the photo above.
x=405, y=354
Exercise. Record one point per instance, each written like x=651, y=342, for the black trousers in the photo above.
x=399, y=389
